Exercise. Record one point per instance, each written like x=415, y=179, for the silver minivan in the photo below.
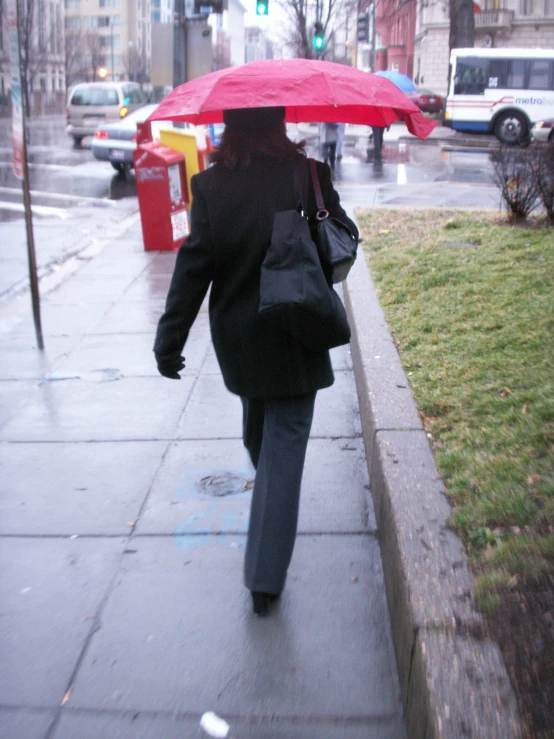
x=92, y=103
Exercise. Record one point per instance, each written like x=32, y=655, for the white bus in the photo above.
x=500, y=91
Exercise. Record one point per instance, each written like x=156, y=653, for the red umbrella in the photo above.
x=310, y=90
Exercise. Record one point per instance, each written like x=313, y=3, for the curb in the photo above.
x=453, y=679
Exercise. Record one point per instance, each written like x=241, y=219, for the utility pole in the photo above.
x=20, y=167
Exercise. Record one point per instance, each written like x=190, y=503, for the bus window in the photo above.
x=540, y=74
x=516, y=74
x=498, y=70
x=471, y=76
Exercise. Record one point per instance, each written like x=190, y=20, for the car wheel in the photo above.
x=118, y=166
x=511, y=128
x=77, y=141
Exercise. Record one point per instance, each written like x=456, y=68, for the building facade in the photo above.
x=395, y=31
x=498, y=23
x=42, y=54
x=111, y=39
x=256, y=45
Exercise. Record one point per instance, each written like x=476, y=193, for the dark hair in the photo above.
x=251, y=131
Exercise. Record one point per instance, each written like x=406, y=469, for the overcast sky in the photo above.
x=272, y=24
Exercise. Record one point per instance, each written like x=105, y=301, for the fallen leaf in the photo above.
x=506, y=392
x=524, y=409
x=130, y=524
x=384, y=231
x=532, y=479
x=354, y=579
x=66, y=697
x=512, y=582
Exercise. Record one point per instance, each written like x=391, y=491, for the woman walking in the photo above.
x=276, y=377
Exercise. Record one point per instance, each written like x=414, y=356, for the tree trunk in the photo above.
x=462, y=24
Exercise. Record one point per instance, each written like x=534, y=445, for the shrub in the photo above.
x=515, y=173
x=545, y=173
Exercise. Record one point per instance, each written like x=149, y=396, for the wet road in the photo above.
x=77, y=198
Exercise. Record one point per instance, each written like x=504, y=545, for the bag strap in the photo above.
x=322, y=212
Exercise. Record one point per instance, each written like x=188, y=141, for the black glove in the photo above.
x=169, y=365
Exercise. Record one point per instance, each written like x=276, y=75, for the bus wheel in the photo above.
x=511, y=128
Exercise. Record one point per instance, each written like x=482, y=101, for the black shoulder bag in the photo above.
x=295, y=295
x=336, y=243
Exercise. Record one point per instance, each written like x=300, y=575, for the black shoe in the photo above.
x=261, y=602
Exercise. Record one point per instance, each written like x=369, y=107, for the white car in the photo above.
x=116, y=142
x=543, y=130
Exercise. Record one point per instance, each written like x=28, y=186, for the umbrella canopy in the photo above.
x=310, y=90
x=402, y=81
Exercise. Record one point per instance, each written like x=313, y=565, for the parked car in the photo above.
x=427, y=101
x=116, y=142
x=93, y=103
x=543, y=130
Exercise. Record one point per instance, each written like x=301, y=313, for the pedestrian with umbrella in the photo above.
x=232, y=217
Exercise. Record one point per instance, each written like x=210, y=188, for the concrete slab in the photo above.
x=336, y=409
x=107, y=264
x=50, y=591
x=212, y=411
x=77, y=290
x=194, y=644
x=131, y=316
x=131, y=354
x=70, y=319
x=25, y=723
x=14, y=395
x=132, y=725
x=67, y=489
x=22, y=360
x=162, y=264
x=82, y=410
x=335, y=495
x=149, y=287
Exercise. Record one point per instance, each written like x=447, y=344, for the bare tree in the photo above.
x=94, y=53
x=462, y=24
x=134, y=64
x=302, y=15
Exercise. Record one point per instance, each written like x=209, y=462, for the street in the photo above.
x=77, y=199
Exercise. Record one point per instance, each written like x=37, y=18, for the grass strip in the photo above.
x=469, y=301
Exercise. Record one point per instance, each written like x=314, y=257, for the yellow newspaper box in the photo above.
x=185, y=142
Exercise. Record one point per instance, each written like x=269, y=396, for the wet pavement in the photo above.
x=124, y=502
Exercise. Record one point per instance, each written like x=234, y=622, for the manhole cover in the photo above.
x=224, y=484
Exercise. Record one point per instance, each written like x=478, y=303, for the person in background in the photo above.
x=276, y=376
x=378, y=132
x=328, y=137
x=342, y=131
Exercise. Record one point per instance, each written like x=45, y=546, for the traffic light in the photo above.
x=363, y=27
x=262, y=7
x=319, y=38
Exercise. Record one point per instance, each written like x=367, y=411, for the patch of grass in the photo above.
x=474, y=323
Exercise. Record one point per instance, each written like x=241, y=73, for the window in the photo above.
x=538, y=7
x=471, y=76
x=72, y=22
x=72, y=4
x=109, y=3
x=104, y=21
x=540, y=74
x=88, y=95
x=516, y=74
x=134, y=94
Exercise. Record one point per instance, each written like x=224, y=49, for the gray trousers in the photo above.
x=275, y=433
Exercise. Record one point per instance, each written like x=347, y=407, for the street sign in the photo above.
x=15, y=86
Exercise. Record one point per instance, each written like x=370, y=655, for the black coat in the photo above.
x=231, y=224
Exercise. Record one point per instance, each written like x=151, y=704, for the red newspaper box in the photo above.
x=162, y=195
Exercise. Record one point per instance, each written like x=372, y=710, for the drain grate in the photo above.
x=223, y=484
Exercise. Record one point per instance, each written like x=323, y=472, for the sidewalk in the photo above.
x=123, y=508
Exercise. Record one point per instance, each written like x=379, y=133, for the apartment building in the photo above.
x=44, y=69
x=111, y=39
x=498, y=23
